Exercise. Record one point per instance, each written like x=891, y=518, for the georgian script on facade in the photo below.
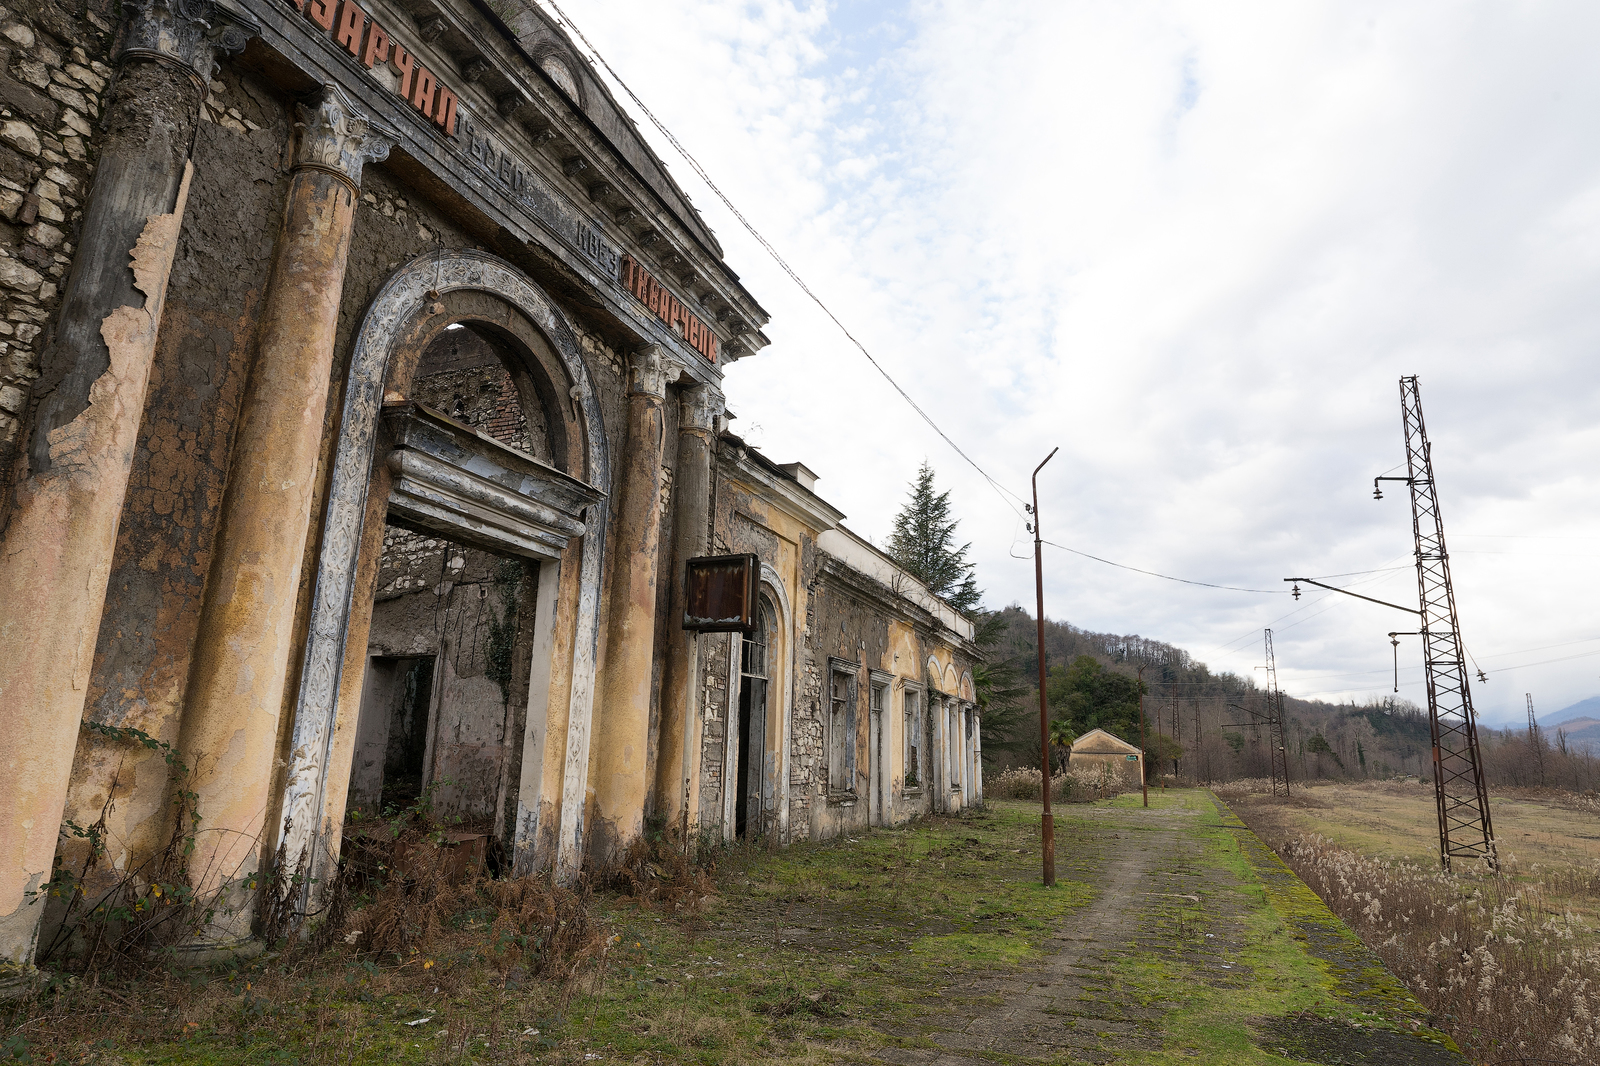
x=494, y=159
x=668, y=308
x=594, y=245
x=352, y=30
x=369, y=42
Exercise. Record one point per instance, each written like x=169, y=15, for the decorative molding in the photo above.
x=699, y=408
x=509, y=104
x=476, y=490
x=336, y=137
x=404, y=296
x=647, y=373
x=188, y=33
x=432, y=28
x=475, y=69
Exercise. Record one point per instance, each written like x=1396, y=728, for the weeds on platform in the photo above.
x=1508, y=972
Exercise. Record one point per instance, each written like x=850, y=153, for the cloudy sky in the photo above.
x=1195, y=245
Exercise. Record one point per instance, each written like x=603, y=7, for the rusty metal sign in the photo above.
x=721, y=593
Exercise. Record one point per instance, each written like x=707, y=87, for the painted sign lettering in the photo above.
x=667, y=307
x=369, y=42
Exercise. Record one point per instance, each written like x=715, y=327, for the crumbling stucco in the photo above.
x=55, y=558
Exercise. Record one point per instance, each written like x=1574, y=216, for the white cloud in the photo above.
x=1196, y=245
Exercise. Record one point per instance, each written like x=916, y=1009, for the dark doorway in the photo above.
x=747, y=809
x=403, y=756
x=389, y=769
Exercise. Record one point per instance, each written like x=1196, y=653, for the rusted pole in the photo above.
x=1144, y=781
x=1047, y=825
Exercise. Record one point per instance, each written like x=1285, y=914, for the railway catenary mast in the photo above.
x=1465, y=829
x=1279, y=755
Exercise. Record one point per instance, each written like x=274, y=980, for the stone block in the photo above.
x=12, y=399
x=19, y=276
x=20, y=136
x=32, y=104
x=34, y=73
x=72, y=98
x=85, y=77
x=18, y=34
x=46, y=235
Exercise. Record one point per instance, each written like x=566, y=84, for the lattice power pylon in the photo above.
x=1465, y=831
x=1280, y=751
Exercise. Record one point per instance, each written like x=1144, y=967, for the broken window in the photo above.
x=841, y=728
x=913, y=740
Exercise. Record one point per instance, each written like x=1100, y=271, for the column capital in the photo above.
x=699, y=408
x=187, y=33
x=647, y=373
x=335, y=136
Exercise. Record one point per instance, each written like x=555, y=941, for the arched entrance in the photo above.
x=398, y=458
x=755, y=750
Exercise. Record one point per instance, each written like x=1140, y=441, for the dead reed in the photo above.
x=1504, y=966
x=1076, y=785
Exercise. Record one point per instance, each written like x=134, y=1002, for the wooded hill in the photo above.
x=1200, y=723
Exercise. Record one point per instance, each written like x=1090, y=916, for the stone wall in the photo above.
x=53, y=74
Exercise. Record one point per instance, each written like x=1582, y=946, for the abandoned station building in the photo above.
x=362, y=434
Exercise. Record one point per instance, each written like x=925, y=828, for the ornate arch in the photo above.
x=411, y=294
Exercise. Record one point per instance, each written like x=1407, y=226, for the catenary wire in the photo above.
x=783, y=264
x=1165, y=577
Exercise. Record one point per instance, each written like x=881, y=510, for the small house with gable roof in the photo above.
x=1099, y=748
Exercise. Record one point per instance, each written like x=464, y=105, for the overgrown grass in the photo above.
x=1504, y=958
x=1236, y=961
x=794, y=954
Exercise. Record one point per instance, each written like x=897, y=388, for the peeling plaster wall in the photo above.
x=54, y=73
x=175, y=486
x=439, y=599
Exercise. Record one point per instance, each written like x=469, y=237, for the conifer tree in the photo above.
x=923, y=544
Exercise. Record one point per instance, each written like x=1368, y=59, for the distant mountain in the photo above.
x=1589, y=708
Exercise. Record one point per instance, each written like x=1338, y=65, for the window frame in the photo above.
x=838, y=737
x=914, y=744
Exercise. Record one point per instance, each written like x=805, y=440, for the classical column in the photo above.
x=236, y=685
x=56, y=543
x=960, y=748
x=618, y=752
x=977, y=757
x=678, y=747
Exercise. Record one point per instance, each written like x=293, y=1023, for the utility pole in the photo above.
x=1279, y=753
x=1144, y=783
x=1194, y=709
x=1175, y=741
x=1535, y=740
x=1047, y=823
x=1465, y=828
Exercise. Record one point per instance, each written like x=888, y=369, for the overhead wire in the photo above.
x=1006, y=495
x=783, y=264
x=1165, y=577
